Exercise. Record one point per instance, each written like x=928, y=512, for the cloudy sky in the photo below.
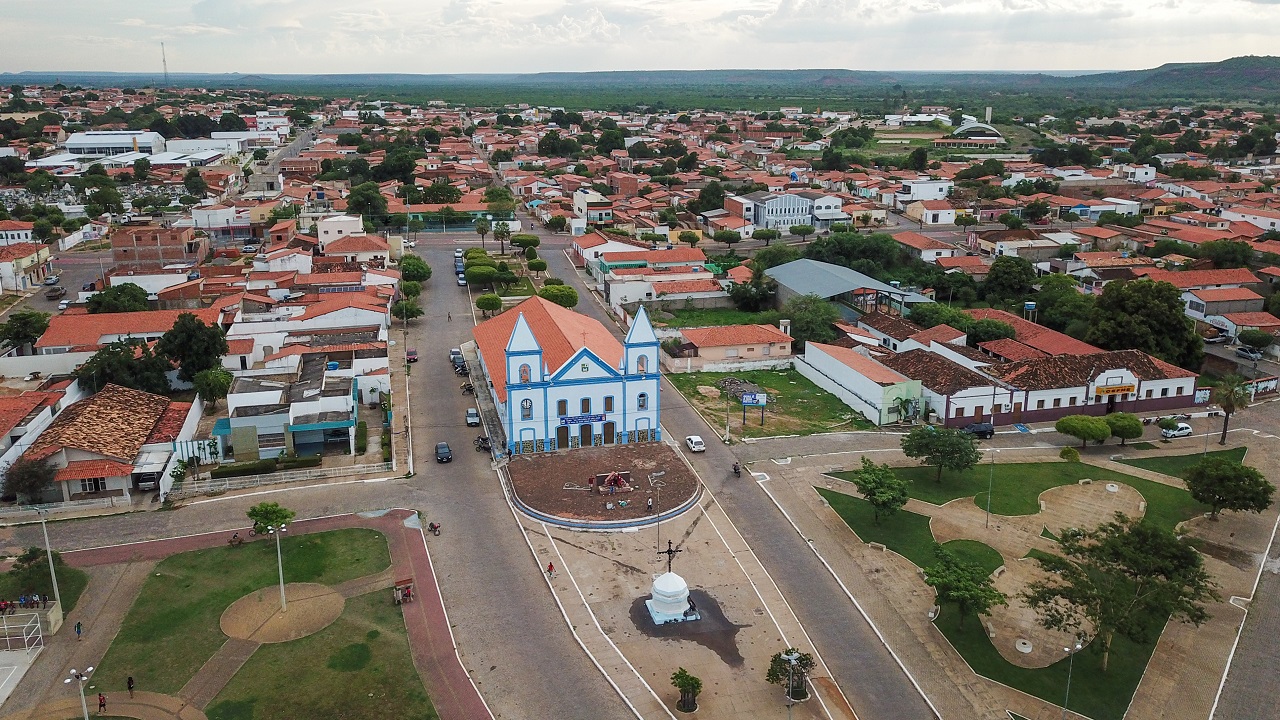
x=452, y=36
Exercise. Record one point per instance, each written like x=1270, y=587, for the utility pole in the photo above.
x=164, y=61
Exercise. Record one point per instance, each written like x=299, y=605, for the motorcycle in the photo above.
x=737, y=470
x=468, y=389
x=482, y=444
x=460, y=370
x=434, y=528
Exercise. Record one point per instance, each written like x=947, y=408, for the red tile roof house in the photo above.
x=111, y=442
x=880, y=394
x=925, y=247
x=729, y=348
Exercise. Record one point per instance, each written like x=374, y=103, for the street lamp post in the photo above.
x=791, y=659
x=1071, y=660
x=279, y=530
x=48, y=553
x=82, y=678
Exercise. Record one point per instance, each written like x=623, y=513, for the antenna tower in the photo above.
x=164, y=61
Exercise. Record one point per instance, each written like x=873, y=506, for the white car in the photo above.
x=695, y=444
x=457, y=253
x=1183, y=430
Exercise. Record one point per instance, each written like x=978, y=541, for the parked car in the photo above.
x=1248, y=353
x=443, y=453
x=55, y=292
x=457, y=253
x=455, y=356
x=411, y=355
x=248, y=249
x=983, y=430
x=1182, y=430
x=473, y=417
x=63, y=305
x=1218, y=339
x=695, y=444
x=462, y=281
x=53, y=280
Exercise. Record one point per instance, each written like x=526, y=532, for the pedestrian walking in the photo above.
x=551, y=570
x=450, y=316
x=102, y=703
x=130, y=684
x=79, y=630
x=649, y=505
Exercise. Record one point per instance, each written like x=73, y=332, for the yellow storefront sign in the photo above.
x=1115, y=390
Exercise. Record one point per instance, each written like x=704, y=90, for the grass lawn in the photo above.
x=697, y=317
x=172, y=628
x=71, y=584
x=975, y=553
x=905, y=533
x=358, y=667
x=1178, y=465
x=1094, y=693
x=1018, y=485
x=521, y=287
x=796, y=405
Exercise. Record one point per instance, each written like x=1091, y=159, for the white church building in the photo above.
x=561, y=380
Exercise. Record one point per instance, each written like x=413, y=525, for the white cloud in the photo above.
x=458, y=36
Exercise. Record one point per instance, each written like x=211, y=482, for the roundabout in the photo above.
x=257, y=616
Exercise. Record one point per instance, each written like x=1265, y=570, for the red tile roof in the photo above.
x=861, y=364
x=16, y=407
x=16, y=251
x=1064, y=371
x=87, y=469
x=115, y=422
x=170, y=423
x=1225, y=294
x=1011, y=350
x=672, y=287
x=728, y=335
x=239, y=346
x=67, y=330
x=921, y=242
x=1037, y=336
x=560, y=332
x=1187, y=279
x=674, y=255
x=936, y=372
x=943, y=333
x=1253, y=319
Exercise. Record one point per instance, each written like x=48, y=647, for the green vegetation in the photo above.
x=172, y=628
x=975, y=553
x=1094, y=693
x=1018, y=486
x=695, y=317
x=796, y=405
x=311, y=677
x=904, y=532
x=1178, y=465
x=522, y=287
x=33, y=577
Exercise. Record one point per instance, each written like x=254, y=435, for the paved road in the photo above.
x=862, y=666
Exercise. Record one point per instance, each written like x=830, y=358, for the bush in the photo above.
x=1069, y=454
x=362, y=437
x=257, y=467
x=305, y=461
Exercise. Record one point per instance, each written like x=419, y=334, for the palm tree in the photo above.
x=1232, y=395
x=502, y=233
x=482, y=229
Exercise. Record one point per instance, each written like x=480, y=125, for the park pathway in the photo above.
x=124, y=568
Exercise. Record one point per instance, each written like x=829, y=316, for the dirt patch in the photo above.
x=257, y=616
x=1232, y=556
x=559, y=483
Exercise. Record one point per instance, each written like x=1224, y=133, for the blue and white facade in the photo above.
x=586, y=400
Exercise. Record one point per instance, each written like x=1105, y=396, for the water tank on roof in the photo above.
x=1029, y=305
x=895, y=283
x=332, y=365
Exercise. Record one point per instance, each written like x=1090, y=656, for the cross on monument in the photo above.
x=670, y=554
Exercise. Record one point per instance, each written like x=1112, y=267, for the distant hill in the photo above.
x=1240, y=78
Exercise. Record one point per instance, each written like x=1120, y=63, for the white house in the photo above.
x=882, y=395
x=1263, y=218
x=560, y=379
x=15, y=231
x=921, y=189
x=105, y=143
x=772, y=210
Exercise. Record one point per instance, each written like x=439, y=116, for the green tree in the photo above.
x=1257, y=339
x=367, y=201
x=483, y=227
x=127, y=297
x=1227, y=253
x=1036, y=210
x=1231, y=395
x=1084, y=427
x=757, y=293
x=406, y=310
x=1124, y=577
x=980, y=331
x=213, y=384
x=28, y=479
x=269, y=514
x=1011, y=221
x=141, y=169
x=945, y=448
x=966, y=221
x=488, y=303
x=1009, y=278
x=128, y=363
x=30, y=571
x=967, y=586
x=1224, y=484
x=482, y=275
x=918, y=160
x=502, y=233
x=526, y=242
x=562, y=295
x=194, y=346
x=689, y=687
x=766, y=234
x=231, y=122
x=24, y=328
x=1147, y=316
x=780, y=670
x=538, y=265
x=441, y=193
x=768, y=257
x=260, y=155
x=728, y=237
x=557, y=223
x=1062, y=306
x=410, y=288
x=1125, y=426
x=881, y=488
x=811, y=318
x=414, y=269
x=194, y=183
x=689, y=237
x=801, y=231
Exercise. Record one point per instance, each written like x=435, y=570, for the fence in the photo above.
x=24, y=512
x=190, y=488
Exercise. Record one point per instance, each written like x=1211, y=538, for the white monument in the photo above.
x=669, y=601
